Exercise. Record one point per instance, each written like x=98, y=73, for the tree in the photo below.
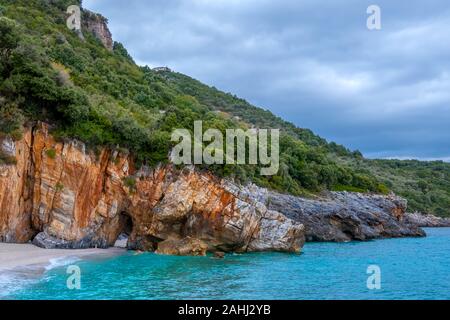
x=9, y=38
x=121, y=51
x=11, y=118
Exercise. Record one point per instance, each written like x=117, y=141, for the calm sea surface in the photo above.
x=410, y=269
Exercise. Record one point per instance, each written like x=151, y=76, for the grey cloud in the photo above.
x=313, y=62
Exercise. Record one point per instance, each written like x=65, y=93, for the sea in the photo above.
x=398, y=269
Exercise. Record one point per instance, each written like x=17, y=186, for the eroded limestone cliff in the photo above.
x=61, y=196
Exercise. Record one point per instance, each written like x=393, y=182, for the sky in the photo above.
x=313, y=62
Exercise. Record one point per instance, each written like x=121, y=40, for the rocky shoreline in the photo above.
x=427, y=221
x=346, y=216
x=61, y=196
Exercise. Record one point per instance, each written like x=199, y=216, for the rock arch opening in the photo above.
x=125, y=229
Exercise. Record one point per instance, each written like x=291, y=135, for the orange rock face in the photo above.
x=15, y=192
x=63, y=196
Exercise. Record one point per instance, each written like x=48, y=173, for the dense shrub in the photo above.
x=104, y=99
x=11, y=117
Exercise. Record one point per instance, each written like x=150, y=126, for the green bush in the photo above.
x=111, y=102
x=9, y=38
x=130, y=183
x=348, y=188
x=51, y=153
x=59, y=187
x=11, y=118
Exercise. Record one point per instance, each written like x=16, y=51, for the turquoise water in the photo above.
x=410, y=269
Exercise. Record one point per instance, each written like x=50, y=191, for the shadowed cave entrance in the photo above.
x=125, y=230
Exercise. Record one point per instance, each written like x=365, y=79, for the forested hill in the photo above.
x=96, y=93
x=426, y=184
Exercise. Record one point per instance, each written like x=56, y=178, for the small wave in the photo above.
x=6, y=283
x=61, y=262
x=12, y=281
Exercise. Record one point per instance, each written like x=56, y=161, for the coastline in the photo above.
x=14, y=256
x=24, y=264
x=293, y=275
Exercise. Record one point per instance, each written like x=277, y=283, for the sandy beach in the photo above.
x=14, y=256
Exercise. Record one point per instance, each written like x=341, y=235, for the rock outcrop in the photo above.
x=427, y=221
x=15, y=191
x=183, y=247
x=61, y=196
x=345, y=216
x=98, y=26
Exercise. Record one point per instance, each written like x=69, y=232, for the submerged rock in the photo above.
x=219, y=254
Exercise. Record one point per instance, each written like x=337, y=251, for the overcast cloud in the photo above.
x=313, y=62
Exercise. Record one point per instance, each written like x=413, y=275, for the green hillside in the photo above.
x=426, y=185
x=104, y=99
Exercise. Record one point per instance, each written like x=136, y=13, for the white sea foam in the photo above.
x=6, y=281
x=61, y=262
x=14, y=280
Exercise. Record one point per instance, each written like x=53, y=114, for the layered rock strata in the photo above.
x=346, y=216
x=60, y=195
x=427, y=221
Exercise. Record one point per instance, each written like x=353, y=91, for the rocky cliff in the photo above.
x=427, y=221
x=98, y=26
x=345, y=216
x=61, y=196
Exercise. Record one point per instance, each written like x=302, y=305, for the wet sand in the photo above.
x=14, y=256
